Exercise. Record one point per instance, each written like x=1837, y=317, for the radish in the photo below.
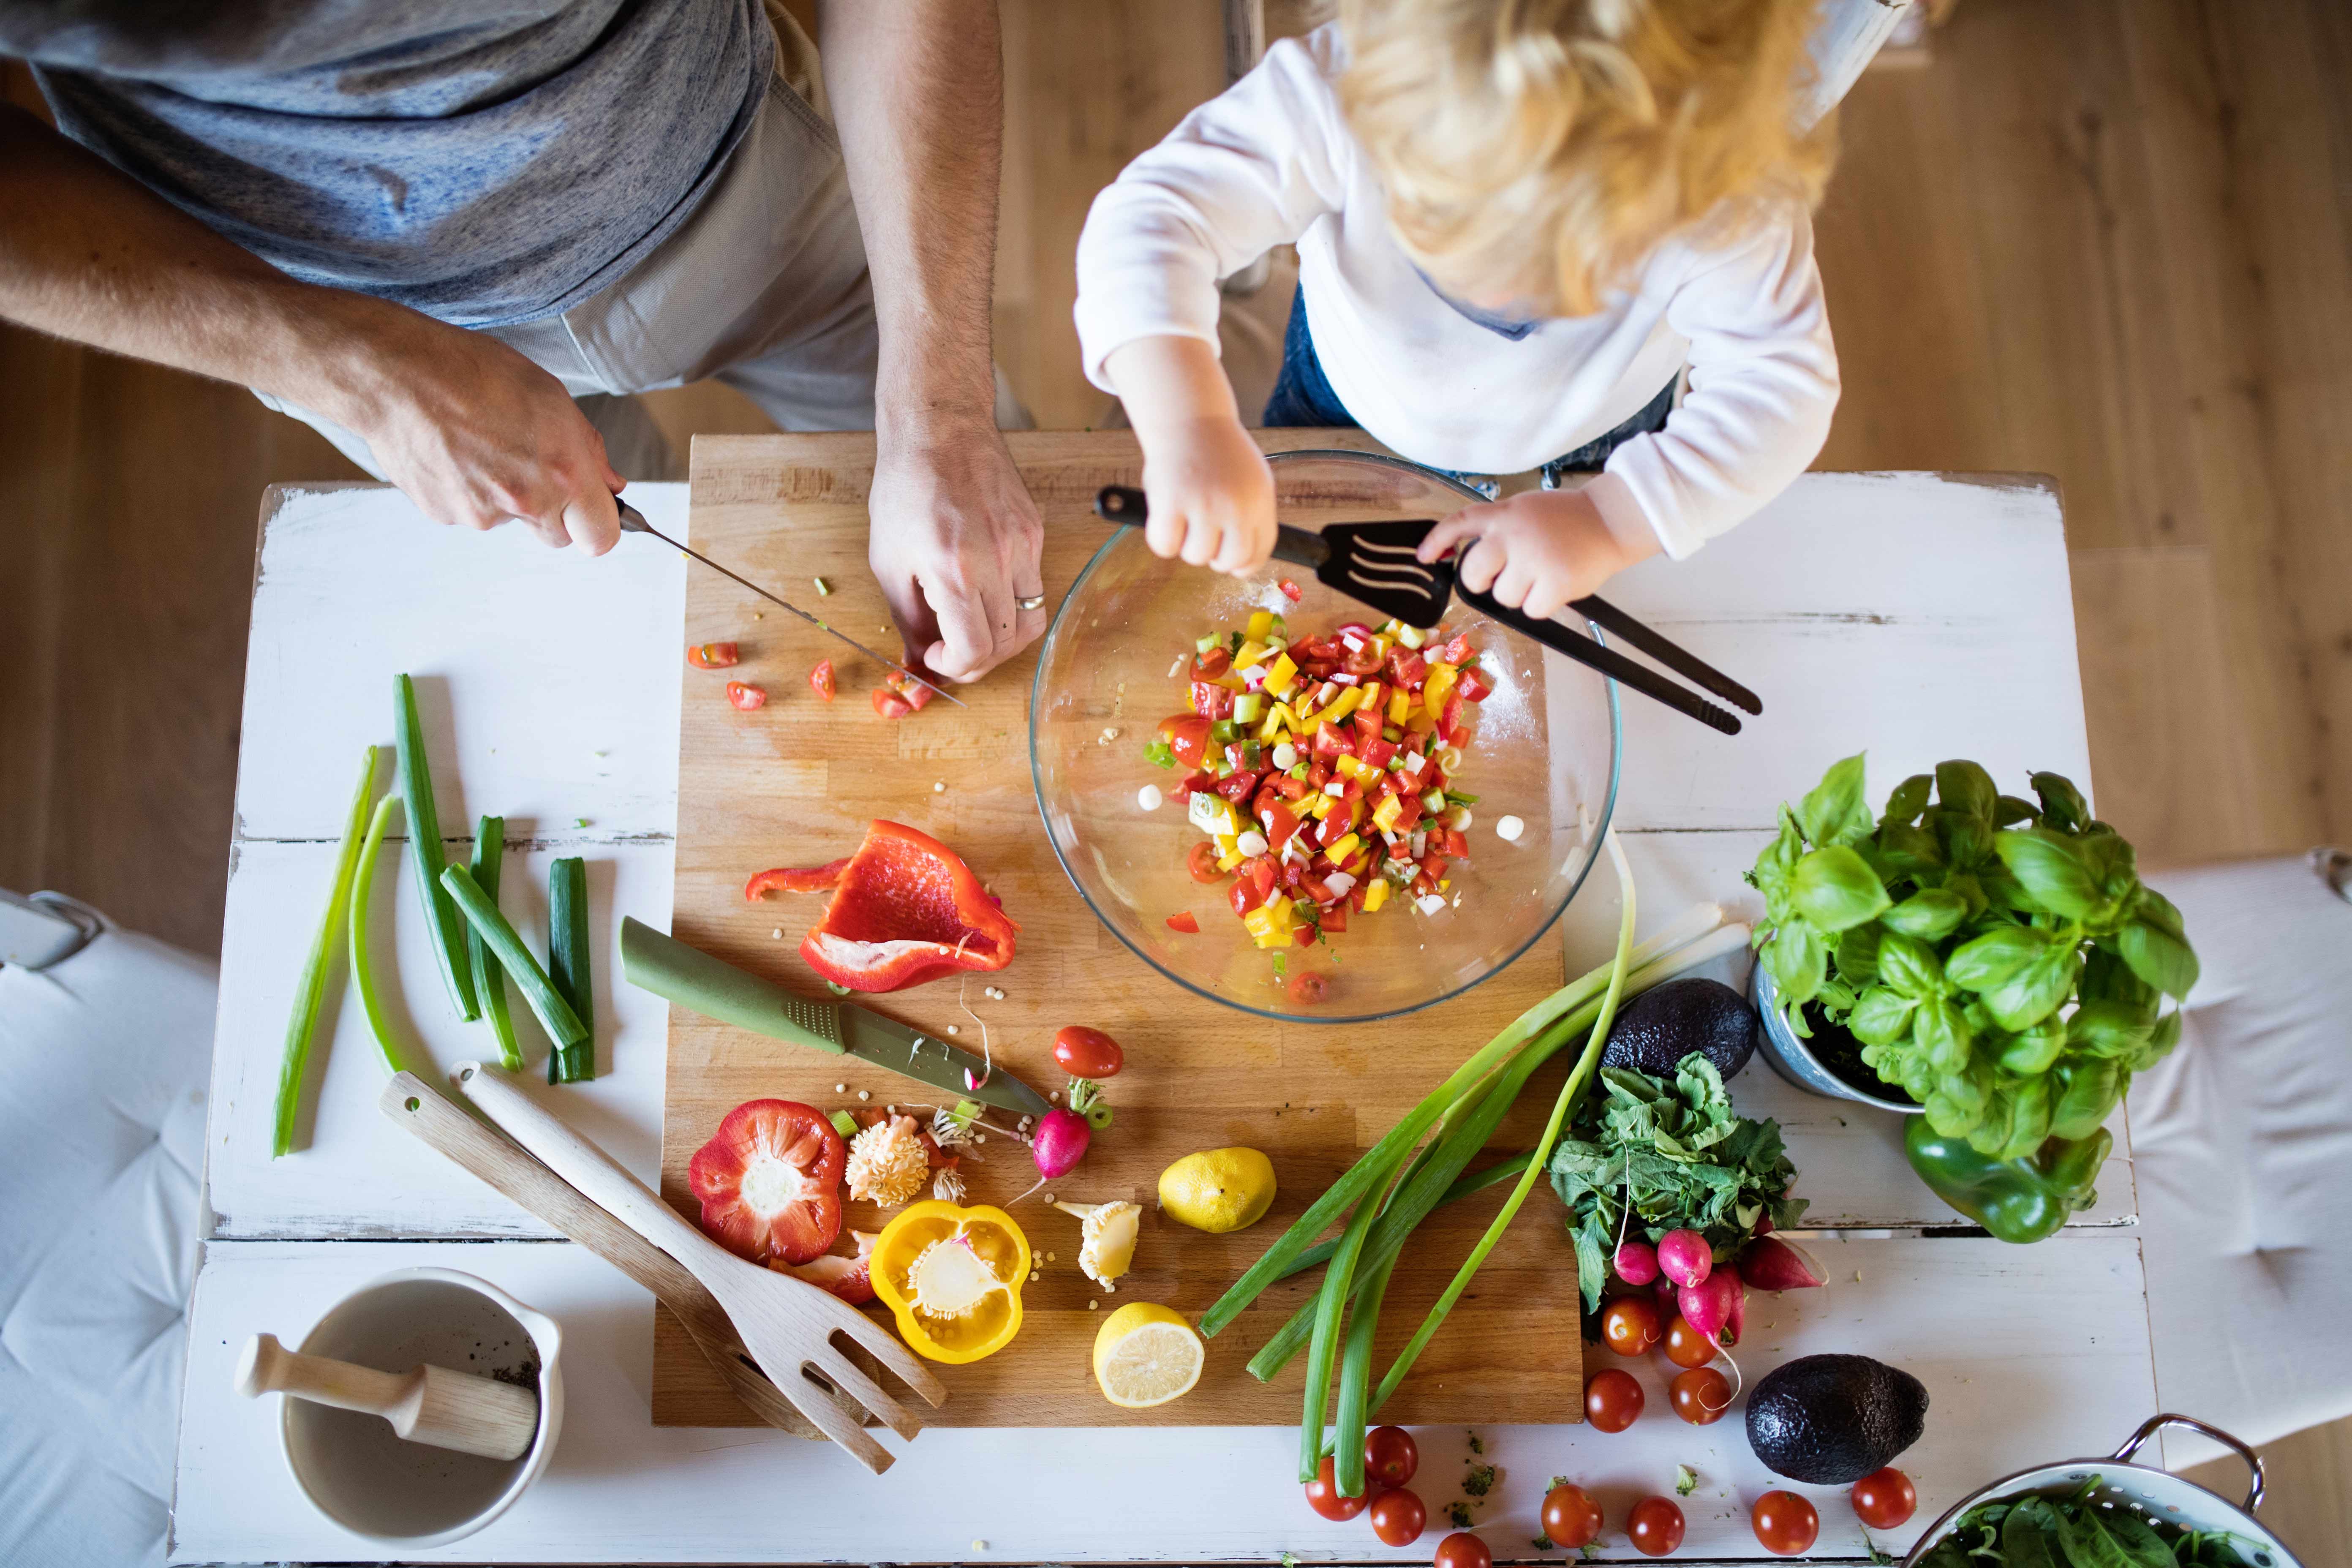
x=1059, y=1143
x=1769, y=1263
x=1685, y=1257
x=1637, y=1262
x=1715, y=1303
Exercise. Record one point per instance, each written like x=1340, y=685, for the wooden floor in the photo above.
x=2109, y=240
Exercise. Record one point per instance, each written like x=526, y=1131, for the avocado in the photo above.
x=1830, y=1420
x=1662, y=1025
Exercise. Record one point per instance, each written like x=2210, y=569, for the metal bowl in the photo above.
x=2160, y=1497
x=1794, y=1060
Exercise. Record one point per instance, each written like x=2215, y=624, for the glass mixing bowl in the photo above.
x=1544, y=748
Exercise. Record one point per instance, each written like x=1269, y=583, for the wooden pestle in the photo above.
x=426, y=1404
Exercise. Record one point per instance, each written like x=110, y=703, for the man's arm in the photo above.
x=471, y=430
x=918, y=94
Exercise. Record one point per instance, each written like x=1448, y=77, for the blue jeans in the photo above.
x=1303, y=397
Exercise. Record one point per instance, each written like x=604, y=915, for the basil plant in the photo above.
x=1998, y=958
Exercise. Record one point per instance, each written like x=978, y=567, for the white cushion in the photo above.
x=2241, y=1144
x=103, y=1068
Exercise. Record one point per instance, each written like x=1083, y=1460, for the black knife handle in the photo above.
x=1606, y=660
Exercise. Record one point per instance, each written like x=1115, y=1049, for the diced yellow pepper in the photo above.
x=1443, y=883
x=1420, y=722
x=1340, y=850
x=1343, y=704
x=1354, y=767
x=1273, y=725
x=1260, y=622
x=1370, y=701
x=1376, y=895
x=1282, y=677
x=1400, y=705
x=1269, y=923
x=1227, y=844
x=1227, y=862
x=1319, y=807
x=1385, y=814
x=1440, y=683
x=1251, y=652
x=1356, y=868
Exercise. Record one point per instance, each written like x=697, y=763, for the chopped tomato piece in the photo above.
x=1302, y=935
x=917, y=695
x=1329, y=742
x=1185, y=922
x=1212, y=700
x=714, y=655
x=1456, y=649
x=1216, y=662
x=1187, y=735
x=1367, y=728
x=820, y=678
x=770, y=1181
x=1290, y=590
x=1281, y=822
x=1475, y=685
x=1193, y=784
x=1239, y=785
x=1245, y=895
x=1200, y=863
x=889, y=704
x=1407, y=668
x=1449, y=718
x=1318, y=774
x=745, y=696
x=794, y=880
x=1375, y=753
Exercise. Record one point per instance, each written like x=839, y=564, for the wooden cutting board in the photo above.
x=793, y=783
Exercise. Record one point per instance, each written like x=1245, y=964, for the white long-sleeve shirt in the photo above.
x=1271, y=161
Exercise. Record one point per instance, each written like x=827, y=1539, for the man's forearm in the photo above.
x=918, y=93
x=87, y=254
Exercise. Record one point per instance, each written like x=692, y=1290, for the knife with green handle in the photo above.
x=716, y=989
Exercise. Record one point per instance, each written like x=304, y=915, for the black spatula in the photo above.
x=1374, y=563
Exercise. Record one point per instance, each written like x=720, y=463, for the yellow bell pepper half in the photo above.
x=952, y=1277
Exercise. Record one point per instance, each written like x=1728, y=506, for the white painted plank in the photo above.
x=1850, y=1157
x=548, y=683
x=359, y=1173
x=2061, y=1369
x=1918, y=616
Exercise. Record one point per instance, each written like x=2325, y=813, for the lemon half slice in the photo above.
x=1147, y=1354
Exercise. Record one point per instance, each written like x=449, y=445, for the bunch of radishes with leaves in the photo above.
x=2001, y=961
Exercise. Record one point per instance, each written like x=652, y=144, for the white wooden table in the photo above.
x=1925, y=617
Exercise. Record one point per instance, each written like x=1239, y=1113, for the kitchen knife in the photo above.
x=633, y=521
x=716, y=989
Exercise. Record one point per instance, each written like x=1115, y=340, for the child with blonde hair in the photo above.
x=1517, y=222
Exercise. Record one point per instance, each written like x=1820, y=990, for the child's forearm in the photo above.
x=1168, y=383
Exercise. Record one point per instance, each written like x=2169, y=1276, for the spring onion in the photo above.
x=425, y=842
x=363, y=971
x=567, y=966
x=555, y=1015
x=489, y=980
x=304, y=1022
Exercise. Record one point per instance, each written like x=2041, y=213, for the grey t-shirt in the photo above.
x=487, y=162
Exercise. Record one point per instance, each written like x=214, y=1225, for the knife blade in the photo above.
x=716, y=989
x=633, y=521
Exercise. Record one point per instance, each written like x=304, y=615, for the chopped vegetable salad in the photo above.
x=1321, y=769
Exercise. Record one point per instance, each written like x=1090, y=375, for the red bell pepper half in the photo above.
x=904, y=909
x=770, y=1181
x=794, y=879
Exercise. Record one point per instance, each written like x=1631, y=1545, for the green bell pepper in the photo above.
x=2017, y=1200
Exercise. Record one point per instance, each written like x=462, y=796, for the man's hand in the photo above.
x=955, y=544
x=478, y=436
x=1537, y=551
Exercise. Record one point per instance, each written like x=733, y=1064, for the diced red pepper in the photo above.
x=1336, y=917
x=714, y=655
x=1368, y=729
x=1456, y=650
x=1200, y=863
x=1375, y=753
x=1335, y=826
x=1316, y=888
x=1216, y=662
x=1290, y=590
x=1211, y=700
x=1475, y=685
x=1407, y=668
x=1185, y=922
x=1408, y=811
x=889, y=704
x=794, y=880
x=1356, y=896
x=745, y=696
x=1449, y=716
x=1245, y=895
x=907, y=910
x=1187, y=735
x=1281, y=822
x=1302, y=935
x=1423, y=886
x=1318, y=774
x=1193, y=784
x=1457, y=843
x=1289, y=874
x=820, y=678
x=1433, y=866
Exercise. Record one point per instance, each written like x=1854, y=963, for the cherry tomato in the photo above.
x=889, y=704
x=917, y=695
x=1700, y=1395
x=1185, y=922
x=1572, y=1519
x=1084, y=1052
x=1612, y=1400
x=1187, y=735
x=1785, y=1523
x=1216, y=662
x=744, y=696
x=1398, y=1517
x=1200, y=863
x=820, y=678
x=1885, y=1499
x=1391, y=1456
x=1656, y=1525
x=1463, y=1549
x=1307, y=988
x=714, y=655
x=1290, y=590
x=1323, y=1494
x=1630, y=1325
x=1686, y=1346
x=1245, y=895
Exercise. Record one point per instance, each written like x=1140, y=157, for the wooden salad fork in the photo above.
x=786, y=1324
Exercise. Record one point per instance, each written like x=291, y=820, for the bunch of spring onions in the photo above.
x=1419, y=1165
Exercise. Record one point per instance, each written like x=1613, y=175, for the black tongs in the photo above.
x=1376, y=564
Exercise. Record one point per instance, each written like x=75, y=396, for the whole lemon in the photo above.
x=1218, y=1190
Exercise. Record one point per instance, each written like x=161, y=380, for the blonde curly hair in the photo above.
x=1534, y=151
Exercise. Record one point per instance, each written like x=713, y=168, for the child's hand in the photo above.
x=1537, y=551
x=1211, y=495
